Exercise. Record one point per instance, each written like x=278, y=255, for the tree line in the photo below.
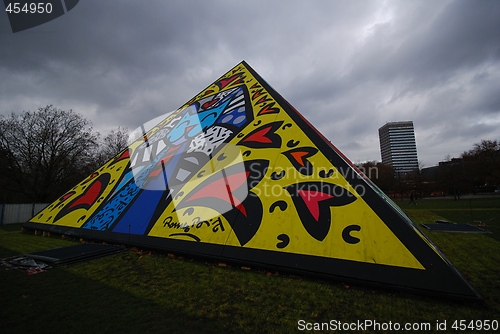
x=45, y=152
x=475, y=171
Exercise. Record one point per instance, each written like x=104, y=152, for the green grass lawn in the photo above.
x=144, y=292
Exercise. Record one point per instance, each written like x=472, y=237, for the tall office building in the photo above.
x=398, y=147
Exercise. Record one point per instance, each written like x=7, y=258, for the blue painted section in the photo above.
x=138, y=217
x=126, y=179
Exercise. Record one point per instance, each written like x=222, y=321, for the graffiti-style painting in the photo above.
x=238, y=174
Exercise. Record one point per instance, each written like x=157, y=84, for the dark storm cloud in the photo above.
x=348, y=66
x=434, y=44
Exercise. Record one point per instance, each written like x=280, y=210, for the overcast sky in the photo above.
x=348, y=66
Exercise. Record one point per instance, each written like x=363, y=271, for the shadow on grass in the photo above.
x=144, y=292
x=10, y=228
x=60, y=301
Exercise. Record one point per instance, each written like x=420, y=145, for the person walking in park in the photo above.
x=412, y=198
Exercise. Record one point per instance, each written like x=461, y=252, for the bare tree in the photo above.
x=115, y=142
x=482, y=164
x=45, y=152
x=379, y=173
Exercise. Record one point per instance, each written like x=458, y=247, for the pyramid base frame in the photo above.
x=367, y=274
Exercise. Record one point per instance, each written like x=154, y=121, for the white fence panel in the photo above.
x=39, y=207
x=20, y=213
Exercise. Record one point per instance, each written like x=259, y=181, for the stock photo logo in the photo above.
x=238, y=174
x=24, y=15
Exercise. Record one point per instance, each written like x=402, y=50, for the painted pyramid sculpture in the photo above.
x=237, y=174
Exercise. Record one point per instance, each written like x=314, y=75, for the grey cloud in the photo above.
x=347, y=66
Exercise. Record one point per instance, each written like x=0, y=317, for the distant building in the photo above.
x=398, y=147
x=453, y=161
